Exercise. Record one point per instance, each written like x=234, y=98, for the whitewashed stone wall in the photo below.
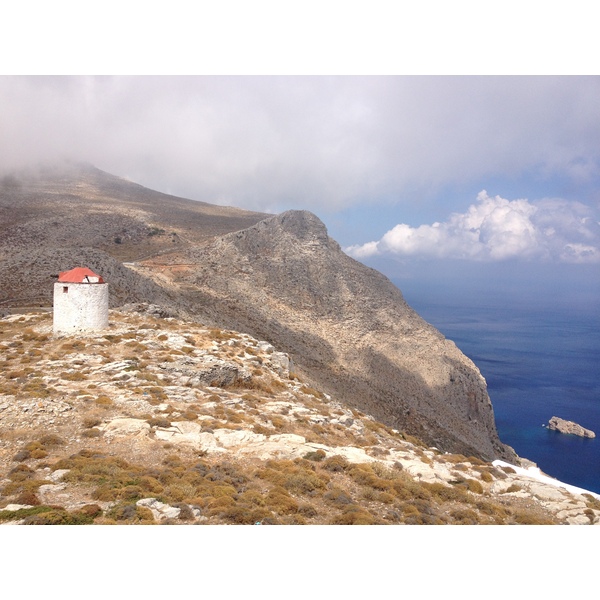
x=82, y=307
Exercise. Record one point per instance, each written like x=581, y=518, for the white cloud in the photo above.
x=497, y=229
x=320, y=143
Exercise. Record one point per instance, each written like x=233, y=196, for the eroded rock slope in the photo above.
x=349, y=329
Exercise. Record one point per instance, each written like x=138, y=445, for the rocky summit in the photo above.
x=159, y=420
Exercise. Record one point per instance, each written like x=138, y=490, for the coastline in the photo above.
x=535, y=473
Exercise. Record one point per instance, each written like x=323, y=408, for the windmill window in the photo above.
x=65, y=289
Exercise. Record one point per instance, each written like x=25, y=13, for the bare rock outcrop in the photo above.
x=569, y=427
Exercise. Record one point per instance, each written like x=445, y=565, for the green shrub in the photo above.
x=304, y=482
x=159, y=422
x=21, y=472
x=474, y=486
x=92, y=433
x=514, y=487
x=52, y=515
x=130, y=513
x=363, y=475
x=338, y=496
x=51, y=440
x=444, y=493
x=336, y=464
x=278, y=422
x=189, y=415
x=73, y=376
x=252, y=497
x=22, y=513
x=218, y=491
x=531, y=518
x=104, y=401
x=465, y=516
x=27, y=497
x=150, y=485
x=91, y=421
x=497, y=512
x=307, y=510
x=243, y=515
x=36, y=450
x=258, y=428
x=216, y=506
x=316, y=455
x=386, y=497
x=60, y=516
x=279, y=500
x=354, y=515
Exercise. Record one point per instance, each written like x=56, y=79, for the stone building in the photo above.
x=80, y=301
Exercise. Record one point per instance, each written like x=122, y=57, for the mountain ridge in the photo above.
x=358, y=322
x=279, y=277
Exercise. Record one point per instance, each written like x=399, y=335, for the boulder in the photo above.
x=126, y=426
x=160, y=511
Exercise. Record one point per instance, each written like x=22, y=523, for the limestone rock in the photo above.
x=126, y=426
x=569, y=427
x=160, y=511
x=57, y=475
x=283, y=363
x=189, y=434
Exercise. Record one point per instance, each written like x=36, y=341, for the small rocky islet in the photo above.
x=569, y=427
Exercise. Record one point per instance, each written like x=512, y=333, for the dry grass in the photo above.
x=315, y=489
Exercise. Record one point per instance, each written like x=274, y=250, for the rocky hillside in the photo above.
x=159, y=420
x=52, y=218
x=277, y=278
x=285, y=280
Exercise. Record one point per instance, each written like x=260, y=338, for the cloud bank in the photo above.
x=496, y=229
x=320, y=143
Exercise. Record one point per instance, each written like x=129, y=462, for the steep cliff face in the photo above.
x=349, y=329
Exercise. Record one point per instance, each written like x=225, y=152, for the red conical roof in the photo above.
x=79, y=275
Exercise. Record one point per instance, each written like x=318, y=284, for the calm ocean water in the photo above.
x=537, y=364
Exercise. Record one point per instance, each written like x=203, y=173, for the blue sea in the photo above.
x=538, y=363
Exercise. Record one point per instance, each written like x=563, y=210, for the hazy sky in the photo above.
x=469, y=167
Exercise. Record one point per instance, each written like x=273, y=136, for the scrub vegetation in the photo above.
x=64, y=460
